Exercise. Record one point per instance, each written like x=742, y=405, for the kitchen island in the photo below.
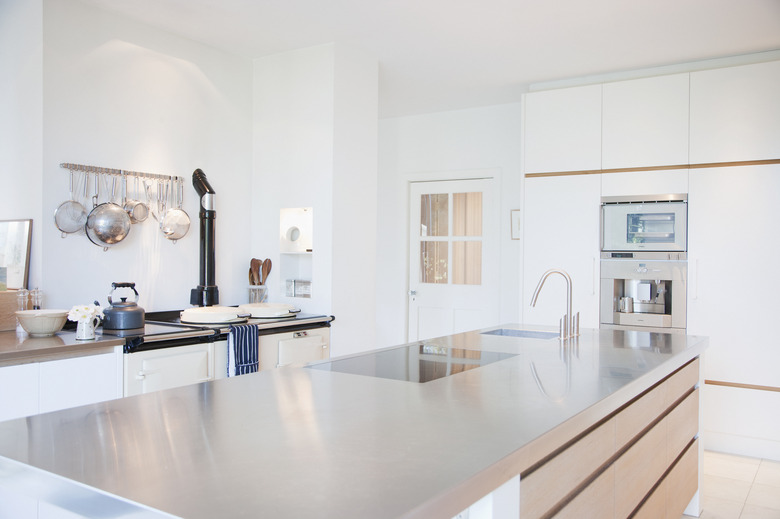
x=577, y=419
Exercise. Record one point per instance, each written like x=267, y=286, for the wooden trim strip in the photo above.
x=742, y=386
x=655, y=168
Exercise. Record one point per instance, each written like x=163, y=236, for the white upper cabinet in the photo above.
x=735, y=113
x=645, y=122
x=563, y=130
x=633, y=183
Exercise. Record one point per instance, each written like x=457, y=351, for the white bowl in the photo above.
x=42, y=323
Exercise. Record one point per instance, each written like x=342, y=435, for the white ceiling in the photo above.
x=448, y=54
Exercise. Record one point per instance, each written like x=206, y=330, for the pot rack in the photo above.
x=118, y=172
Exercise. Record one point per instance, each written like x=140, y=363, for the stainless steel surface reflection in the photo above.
x=415, y=363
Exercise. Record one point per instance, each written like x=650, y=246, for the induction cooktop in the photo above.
x=414, y=363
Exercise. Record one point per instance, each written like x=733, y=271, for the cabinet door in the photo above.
x=645, y=122
x=300, y=350
x=733, y=301
x=79, y=381
x=735, y=113
x=562, y=231
x=18, y=391
x=733, y=251
x=155, y=370
x=672, y=181
x=563, y=129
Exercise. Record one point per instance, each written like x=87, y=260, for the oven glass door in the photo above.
x=657, y=226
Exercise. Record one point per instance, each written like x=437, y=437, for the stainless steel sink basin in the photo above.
x=525, y=334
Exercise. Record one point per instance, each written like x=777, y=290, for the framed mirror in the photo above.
x=15, y=238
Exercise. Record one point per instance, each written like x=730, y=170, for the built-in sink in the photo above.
x=415, y=363
x=525, y=334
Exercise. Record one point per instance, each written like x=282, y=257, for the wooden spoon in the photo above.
x=266, y=270
x=254, y=267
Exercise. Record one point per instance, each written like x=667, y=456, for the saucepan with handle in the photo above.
x=107, y=223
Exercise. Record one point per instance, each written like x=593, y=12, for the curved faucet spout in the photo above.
x=569, y=318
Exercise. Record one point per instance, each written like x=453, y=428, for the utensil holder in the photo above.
x=258, y=293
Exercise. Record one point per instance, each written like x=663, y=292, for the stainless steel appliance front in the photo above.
x=644, y=224
x=644, y=294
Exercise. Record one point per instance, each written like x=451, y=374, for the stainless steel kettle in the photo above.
x=123, y=314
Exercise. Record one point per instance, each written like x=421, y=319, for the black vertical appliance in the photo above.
x=206, y=293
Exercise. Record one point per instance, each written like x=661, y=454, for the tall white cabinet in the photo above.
x=562, y=232
x=733, y=301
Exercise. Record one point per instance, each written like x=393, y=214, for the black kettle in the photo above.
x=123, y=314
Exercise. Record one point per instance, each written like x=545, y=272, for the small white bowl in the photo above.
x=42, y=323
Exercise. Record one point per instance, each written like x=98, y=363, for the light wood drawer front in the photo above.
x=682, y=482
x=640, y=467
x=655, y=506
x=633, y=419
x=636, y=417
x=547, y=486
x=682, y=426
x=682, y=381
x=596, y=501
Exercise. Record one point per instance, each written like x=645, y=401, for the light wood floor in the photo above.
x=735, y=487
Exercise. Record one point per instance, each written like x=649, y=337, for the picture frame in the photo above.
x=15, y=242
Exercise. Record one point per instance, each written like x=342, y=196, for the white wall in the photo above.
x=315, y=141
x=21, y=106
x=124, y=95
x=430, y=147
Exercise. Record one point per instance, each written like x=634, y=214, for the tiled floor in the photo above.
x=734, y=487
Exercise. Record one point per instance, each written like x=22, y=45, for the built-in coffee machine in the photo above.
x=644, y=266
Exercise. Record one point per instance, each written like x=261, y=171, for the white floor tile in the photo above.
x=714, y=508
x=757, y=512
x=768, y=473
x=730, y=466
x=765, y=496
x=725, y=488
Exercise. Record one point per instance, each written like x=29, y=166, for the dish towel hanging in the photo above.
x=242, y=350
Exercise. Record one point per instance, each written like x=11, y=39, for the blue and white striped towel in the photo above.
x=242, y=350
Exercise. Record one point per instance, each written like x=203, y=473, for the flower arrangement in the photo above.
x=85, y=313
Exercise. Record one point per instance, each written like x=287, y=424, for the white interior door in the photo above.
x=453, y=257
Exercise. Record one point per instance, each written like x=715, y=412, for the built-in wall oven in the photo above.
x=644, y=268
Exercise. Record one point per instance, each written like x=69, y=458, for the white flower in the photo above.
x=85, y=312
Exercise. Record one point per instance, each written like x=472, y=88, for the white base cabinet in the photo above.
x=41, y=387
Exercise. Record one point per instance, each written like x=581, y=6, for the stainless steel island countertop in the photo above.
x=302, y=442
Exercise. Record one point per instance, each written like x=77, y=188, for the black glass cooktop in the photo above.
x=416, y=363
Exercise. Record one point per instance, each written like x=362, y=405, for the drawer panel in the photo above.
x=638, y=470
x=547, y=486
x=683, y=425
x=682, y=381
x=682, y=482
x=596, y=501
x=635, y=418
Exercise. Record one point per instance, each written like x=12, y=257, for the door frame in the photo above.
x=493, y=174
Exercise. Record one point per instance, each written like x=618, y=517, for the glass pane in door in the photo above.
x=433, y=262
x=434, y=210
x=467, y=214
x=467, y=262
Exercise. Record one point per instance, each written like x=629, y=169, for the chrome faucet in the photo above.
x=569, y=325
